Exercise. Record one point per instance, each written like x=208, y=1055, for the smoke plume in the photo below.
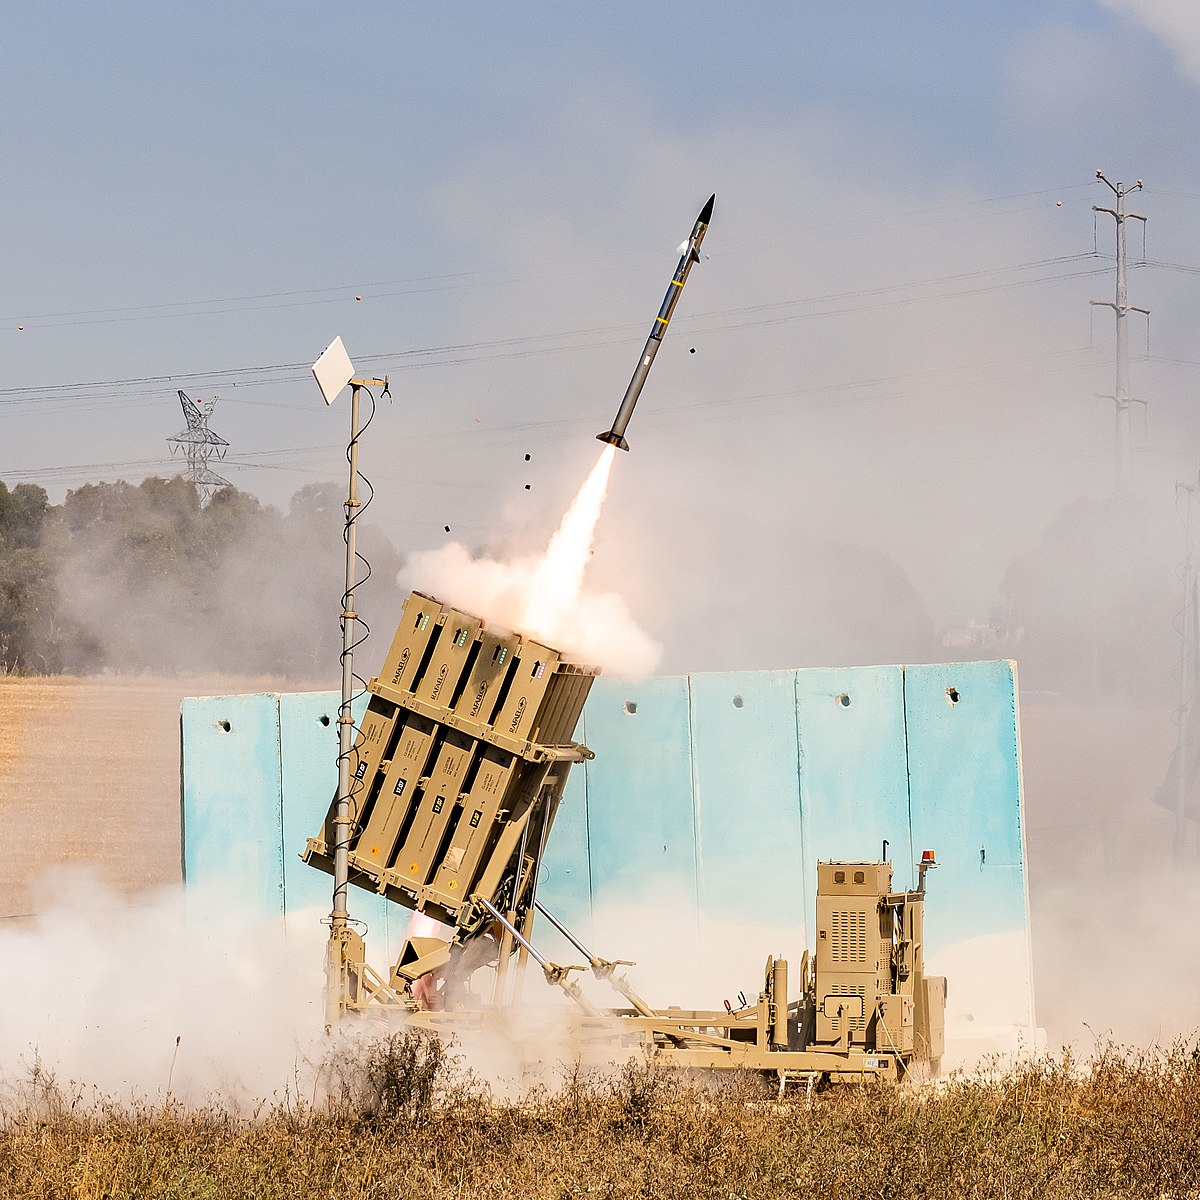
x=165, y=995
x=543, y=595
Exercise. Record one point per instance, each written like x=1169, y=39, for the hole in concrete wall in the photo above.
x=225, y=725
x=951, y=695
x=738, y=702
x=630, y=707
x=324, y=718
x=843, y=699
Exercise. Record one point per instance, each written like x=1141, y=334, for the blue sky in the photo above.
x=895, y=309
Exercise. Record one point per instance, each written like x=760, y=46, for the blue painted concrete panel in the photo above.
x=853, y=769
x=641, y=821
x=746, y=792
x=308, y=751
x=692, y=805
x=308, y=748
x=563, y=884
x=233, y=801
x=640, y=817
x=964, y=768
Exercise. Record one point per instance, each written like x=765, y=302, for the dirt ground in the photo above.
x=89, y=773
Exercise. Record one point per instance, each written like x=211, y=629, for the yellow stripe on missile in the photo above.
x=662, y=320
x=677, y=282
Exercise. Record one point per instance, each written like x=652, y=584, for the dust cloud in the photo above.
x=177, y=996
x=164, y=995
x=145, y=579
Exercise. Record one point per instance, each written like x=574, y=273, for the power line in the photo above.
x=1178, y=362
x=443, y=281
x=1184, y=268
x=458, y=354
x=832, y=393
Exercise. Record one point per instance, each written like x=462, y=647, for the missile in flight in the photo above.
x=691, y=254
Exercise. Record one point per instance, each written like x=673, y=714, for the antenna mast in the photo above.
x=333, y=371
x=1122, y=308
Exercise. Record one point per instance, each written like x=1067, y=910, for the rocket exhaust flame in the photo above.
x=558, y=577
x=544, y=594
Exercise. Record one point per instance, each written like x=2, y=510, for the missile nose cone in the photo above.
x=706, y=212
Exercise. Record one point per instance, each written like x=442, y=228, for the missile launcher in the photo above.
x=458, y=770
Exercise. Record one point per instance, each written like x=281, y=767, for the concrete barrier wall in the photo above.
x=690, y=842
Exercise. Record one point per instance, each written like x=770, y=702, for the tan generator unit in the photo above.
x=870, y=984
x=458, y=770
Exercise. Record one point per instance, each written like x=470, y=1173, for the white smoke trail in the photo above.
x=543, y=595
x=557, y=580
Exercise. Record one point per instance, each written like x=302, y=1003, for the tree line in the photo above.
x=145, y=578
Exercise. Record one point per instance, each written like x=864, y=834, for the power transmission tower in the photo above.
x=199, y=444
x=1122, y=308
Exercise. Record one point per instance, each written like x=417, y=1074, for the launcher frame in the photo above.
x=457, y=773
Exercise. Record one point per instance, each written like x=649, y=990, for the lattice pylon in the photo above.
x=199, y=444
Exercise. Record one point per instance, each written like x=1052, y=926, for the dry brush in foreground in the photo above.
x=407, y=1122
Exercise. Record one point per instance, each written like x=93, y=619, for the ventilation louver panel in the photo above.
x=848, y=938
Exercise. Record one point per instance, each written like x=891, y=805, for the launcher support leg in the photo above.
x=602, y=968
x=506, y=946
x=559, y=976
x=345, y=952
x=522, y=957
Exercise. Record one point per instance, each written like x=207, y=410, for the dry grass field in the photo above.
x=89, y=775
x=85, y=771
x=1122, y=1125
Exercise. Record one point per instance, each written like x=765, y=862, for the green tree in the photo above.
x=144, y=578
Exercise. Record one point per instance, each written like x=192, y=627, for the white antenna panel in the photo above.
x=333, y=370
